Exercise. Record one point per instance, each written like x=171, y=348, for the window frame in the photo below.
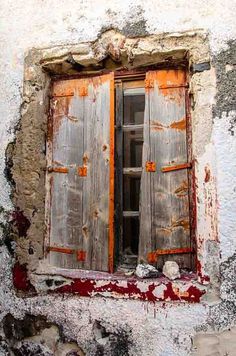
x=41, y=67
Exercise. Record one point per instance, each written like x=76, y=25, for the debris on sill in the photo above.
x=146, y=271
x=171, y=270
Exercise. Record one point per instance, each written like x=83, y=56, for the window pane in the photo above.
x=134, y=108
x=131, y=188
x=133, y=145
x=130, y=235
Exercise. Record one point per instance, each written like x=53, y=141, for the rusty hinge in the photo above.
x=149, y=83
x=153, y=256
x=150, y=166
x=58, y=169
x=83, y=91
x=82, y=171
x=60, y=249
x=80, y=254
x=176, y=167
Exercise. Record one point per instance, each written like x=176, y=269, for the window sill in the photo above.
x=90, y=283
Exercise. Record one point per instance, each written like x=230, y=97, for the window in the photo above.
x=119, y=172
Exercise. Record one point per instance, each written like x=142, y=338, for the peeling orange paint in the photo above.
x=179, y=125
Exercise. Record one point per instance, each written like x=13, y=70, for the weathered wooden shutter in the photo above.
x=164, y=203
x=81, y=175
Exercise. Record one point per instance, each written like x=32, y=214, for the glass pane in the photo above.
x=134, y=109
x=131, y=235
x=131, y=189
x=133, y=146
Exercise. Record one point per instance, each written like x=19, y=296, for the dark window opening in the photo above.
x=130, y=148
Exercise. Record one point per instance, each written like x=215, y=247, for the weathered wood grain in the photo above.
x=168, y=191
x=79, y=214
x=66, y=189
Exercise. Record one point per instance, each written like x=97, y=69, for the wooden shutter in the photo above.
x=81, y=173
x=164, y=203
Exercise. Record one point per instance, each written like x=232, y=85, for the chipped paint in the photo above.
x=154, y=291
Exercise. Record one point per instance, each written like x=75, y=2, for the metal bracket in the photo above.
x=150, y=166
x=82, y=171
x=58, y=169
x=81, y=255
x=176, y=167
x=153, y=256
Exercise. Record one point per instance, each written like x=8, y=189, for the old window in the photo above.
x=119, y=171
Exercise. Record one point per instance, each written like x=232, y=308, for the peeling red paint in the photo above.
x=21, y=222
x=20, y=278
x=90, y=287
x=202, y=278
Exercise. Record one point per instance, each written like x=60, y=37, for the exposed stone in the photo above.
x=200, y=67
x=171, y=270
x=146, y=271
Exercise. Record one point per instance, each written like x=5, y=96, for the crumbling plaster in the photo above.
x=155, y=329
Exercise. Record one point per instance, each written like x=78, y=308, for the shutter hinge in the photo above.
x=81, y=255
x=153, y=256
x=150, y=166
x=82, y=171
x=58, y=169
x=176, y=167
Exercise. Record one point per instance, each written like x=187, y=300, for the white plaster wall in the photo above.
x=44, y=23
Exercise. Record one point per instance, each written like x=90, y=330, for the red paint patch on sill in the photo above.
x=145, y=290
x=91, y=284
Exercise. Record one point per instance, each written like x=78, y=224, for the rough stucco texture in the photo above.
x=103, y=326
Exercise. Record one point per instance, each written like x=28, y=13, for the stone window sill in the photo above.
x=91, y=283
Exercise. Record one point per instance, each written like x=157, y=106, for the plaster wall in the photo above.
x=105, y=326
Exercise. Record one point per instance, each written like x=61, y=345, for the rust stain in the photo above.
x=179, y=125
x=183, y=223
x=64, y=88
x=168, y=81
x=207, y=174
x=157, y=126
x=149, y=82
x=104, y=147
x=83, y=91
x=170, y=78
x=182, y=189
x=60, y=109
x=85, y=159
